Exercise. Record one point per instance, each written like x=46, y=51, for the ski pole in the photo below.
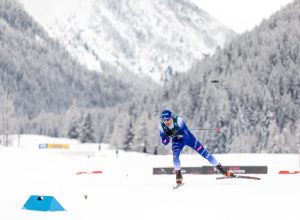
x=207, y=129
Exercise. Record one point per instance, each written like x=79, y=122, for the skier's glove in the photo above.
x=165, y=141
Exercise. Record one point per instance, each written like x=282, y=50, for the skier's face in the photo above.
x=169, y=122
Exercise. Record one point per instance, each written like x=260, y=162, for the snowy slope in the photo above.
x=127, y=189
x=155, y=38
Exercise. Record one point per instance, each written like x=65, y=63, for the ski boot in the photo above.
x=224, y=171
x=178, y=176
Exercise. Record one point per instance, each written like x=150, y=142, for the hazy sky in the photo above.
x=241, y=15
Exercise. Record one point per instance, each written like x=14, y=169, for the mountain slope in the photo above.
x=155, y=38
x=39, y=77
x=257, y=100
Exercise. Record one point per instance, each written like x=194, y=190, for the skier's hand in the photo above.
x=165, y=141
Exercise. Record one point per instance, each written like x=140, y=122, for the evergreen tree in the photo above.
x=74, y=129
x=141, y=131
x=87, y=131
x=117, y=135
x=129, y=137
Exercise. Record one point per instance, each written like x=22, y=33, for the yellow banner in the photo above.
x=58, y=146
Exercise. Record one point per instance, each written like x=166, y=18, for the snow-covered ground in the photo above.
x=127, y=189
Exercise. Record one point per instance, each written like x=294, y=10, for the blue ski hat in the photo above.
x=166, y=115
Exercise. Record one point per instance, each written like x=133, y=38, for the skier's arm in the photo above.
x=164, y=138
x=183, y=126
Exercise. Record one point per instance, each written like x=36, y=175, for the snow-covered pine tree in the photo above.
x=87, y=131
x=73, y=132
x=120, y=126
x=141, y=130
x=129, y=137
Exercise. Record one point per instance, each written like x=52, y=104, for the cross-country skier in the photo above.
x=174, y=127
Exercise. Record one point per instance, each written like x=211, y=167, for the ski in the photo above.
x=238, y=176
x=178, y=185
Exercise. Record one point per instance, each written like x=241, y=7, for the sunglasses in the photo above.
x=166, y=119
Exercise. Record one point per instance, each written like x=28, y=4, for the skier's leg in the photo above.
x=197, y=146
x=177, y=148
x=204, y=153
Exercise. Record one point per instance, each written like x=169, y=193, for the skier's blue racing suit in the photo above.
x=182, y=136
